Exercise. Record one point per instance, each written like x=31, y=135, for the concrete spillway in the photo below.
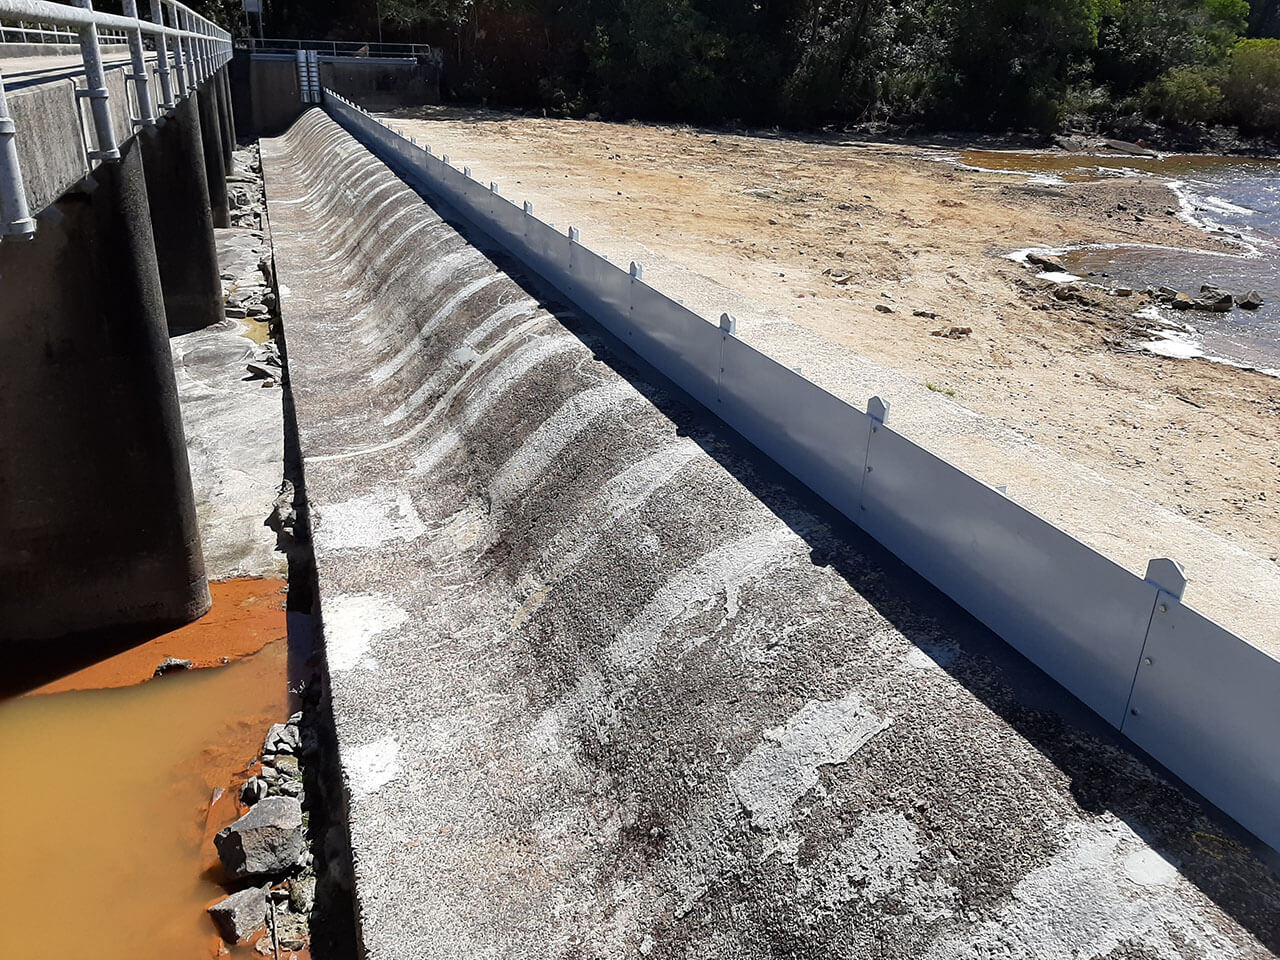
x=606, y=683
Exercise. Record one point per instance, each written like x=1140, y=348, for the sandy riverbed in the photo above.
x=823, y=230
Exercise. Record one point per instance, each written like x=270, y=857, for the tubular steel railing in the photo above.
x=186, y=45
x=339, y=48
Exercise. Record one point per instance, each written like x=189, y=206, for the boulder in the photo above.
x=241, y=915
x=1181, y=302
x=1215, y=301
x=266, y=841
x=282, y=738
x=1249, y=301
x=254, y=789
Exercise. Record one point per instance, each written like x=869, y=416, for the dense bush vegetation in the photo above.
x=975, y=63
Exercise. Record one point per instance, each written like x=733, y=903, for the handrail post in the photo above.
x=96, y=82
x=162, y=58
x=179, y=55
x=146, y=111
x=14, y=212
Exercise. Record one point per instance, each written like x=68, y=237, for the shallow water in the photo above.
x=1224, y=196
x=108, y=812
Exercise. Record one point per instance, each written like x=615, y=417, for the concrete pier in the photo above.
x=182, y=219
x=214, y=159
x=226, y=126
x=97, y=522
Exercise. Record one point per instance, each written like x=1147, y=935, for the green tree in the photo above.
x=1252, y=84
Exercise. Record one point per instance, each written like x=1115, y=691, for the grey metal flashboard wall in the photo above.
x=1197, y=698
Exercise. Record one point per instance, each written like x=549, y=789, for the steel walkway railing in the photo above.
x=188, y=49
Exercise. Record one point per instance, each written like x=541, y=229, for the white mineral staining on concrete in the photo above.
x=472, y=349
x=618, y=496
x=484, y=395
x=540, y=449
x=1147, y=868
x=350, y=625
x=1084, y=904
x=931, y=655
x=784, y=767
x=371, y=766
x=387, y=370
x=369, y=521
x=876, y=863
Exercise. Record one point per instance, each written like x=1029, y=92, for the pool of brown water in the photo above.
x=116, y=783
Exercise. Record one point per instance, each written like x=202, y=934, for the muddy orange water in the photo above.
x=107, y=813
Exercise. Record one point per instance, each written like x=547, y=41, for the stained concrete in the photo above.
x=607, y=684
x=234, y=421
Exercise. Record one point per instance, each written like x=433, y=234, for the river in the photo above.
x=1235, y=198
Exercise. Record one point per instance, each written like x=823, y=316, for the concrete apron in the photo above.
x=605, y=683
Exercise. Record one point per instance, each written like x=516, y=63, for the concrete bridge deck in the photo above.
x=607, y=684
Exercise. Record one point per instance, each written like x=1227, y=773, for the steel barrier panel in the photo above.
x=546, y=250
x=506, y=222
x=676, y=340
x=600, y=288
x=817, y=437
x=1071, y=611
x=1207, y=705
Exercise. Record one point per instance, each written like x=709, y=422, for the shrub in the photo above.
x=1252, y=85
x=1186, y=95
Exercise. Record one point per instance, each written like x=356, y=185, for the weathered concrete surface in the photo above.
x=234, y=422
x=605, y=685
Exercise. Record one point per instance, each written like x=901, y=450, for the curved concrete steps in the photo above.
x=605, y=684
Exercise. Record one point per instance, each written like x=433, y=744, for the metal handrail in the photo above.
x=198, y=46
x=335, y=47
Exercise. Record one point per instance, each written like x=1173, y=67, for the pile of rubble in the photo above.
x=267, y=849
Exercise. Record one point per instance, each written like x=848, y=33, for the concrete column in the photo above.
x=182, y=219
x=97, y=518
x=214, y=164
x=224, y=114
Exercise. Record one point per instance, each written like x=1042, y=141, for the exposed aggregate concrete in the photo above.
x=607, y=684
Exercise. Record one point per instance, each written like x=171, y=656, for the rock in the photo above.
x=282, y=738
x=235, y=313
x=952, y=333
x=292, y=788
x=1181, y=301
x=169, y=664
x=285, y=765
x=1133, y=149
x=258, y=370
x=241, y=915
x=1123, y=292
x=927, y=314
x=883, y=308
x=302, y=894
x=1249, y=301
x=254, y=789
x=1215, y=301
x=1046, y=263
x=266, y=841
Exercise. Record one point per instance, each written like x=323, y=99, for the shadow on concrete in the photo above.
x=1231, y=867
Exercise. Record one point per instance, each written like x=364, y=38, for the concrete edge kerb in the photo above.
x=1196, y=697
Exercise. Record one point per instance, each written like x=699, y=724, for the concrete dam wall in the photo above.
x=606, y=682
